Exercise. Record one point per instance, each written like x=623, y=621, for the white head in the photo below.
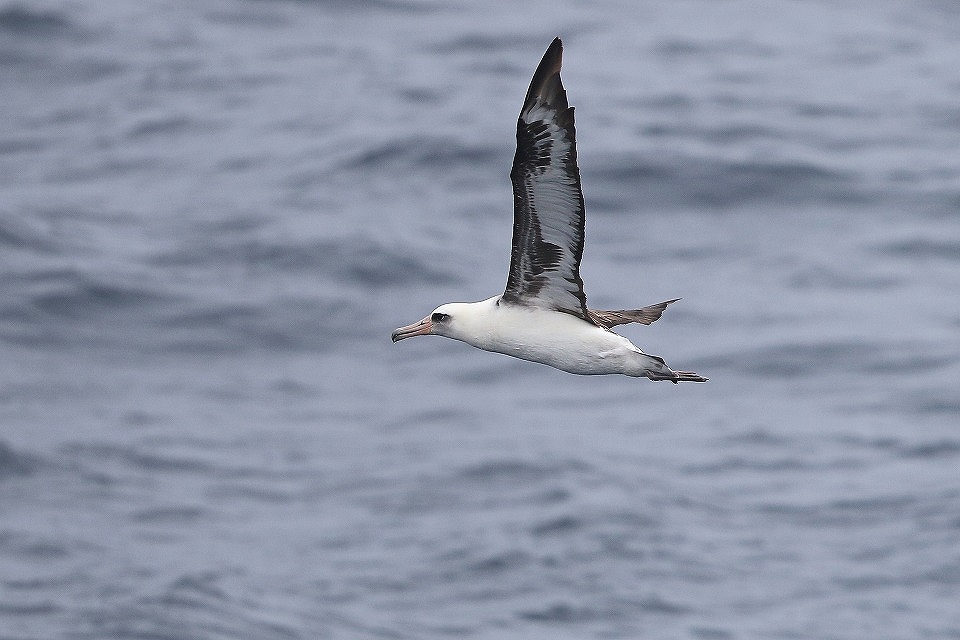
x=466, y=321
x=442, y=322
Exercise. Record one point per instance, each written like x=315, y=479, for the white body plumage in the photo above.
x=540, y=335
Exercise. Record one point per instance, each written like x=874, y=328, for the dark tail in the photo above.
x=646, y=315
x=688, y=376
x=656, y=369
x=676, y=376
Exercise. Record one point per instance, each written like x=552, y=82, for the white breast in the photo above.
x=549, y=337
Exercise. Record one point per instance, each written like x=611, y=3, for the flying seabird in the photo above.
x=542, y=315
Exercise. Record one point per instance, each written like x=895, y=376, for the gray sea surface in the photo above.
x=213, y=213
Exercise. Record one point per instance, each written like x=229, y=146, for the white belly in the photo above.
x=559, y=340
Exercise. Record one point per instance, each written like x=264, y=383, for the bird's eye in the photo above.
x=439, y=317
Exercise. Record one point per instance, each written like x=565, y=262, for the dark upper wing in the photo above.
x=647, y=315
x=547, y=201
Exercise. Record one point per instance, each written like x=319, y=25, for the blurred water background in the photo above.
x=213, y=213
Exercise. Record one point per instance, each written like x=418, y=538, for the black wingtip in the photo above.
x=549, y=67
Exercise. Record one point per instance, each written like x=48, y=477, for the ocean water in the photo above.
x=213, y=213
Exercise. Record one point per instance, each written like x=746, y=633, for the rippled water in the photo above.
x=212, y=215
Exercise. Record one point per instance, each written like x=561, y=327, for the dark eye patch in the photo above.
x=439, y=317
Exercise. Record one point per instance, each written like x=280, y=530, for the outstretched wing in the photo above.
x=647, y=315
x=547, y=200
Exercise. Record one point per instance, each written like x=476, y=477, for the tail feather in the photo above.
x=657, y=370
x=676, y=376
x=688, y=376
x=646, y=315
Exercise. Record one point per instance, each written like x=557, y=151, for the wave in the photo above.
x=189, y=604
x=924, y=248
x=73, y=294
x=18, y=233
x=794, y=360
x=839, y=277
x=508, y=470
x=104, y=456
x=846, y=513
x=278, y=324
x=59, y=307
x=566, y=613
x=71, y=309
x=426, y=152
x=24, y=21
x=934, y=449
x=352, y=260
x=682, y=182
x=15, y=463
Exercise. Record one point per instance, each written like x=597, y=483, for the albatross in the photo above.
x=542, y=315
